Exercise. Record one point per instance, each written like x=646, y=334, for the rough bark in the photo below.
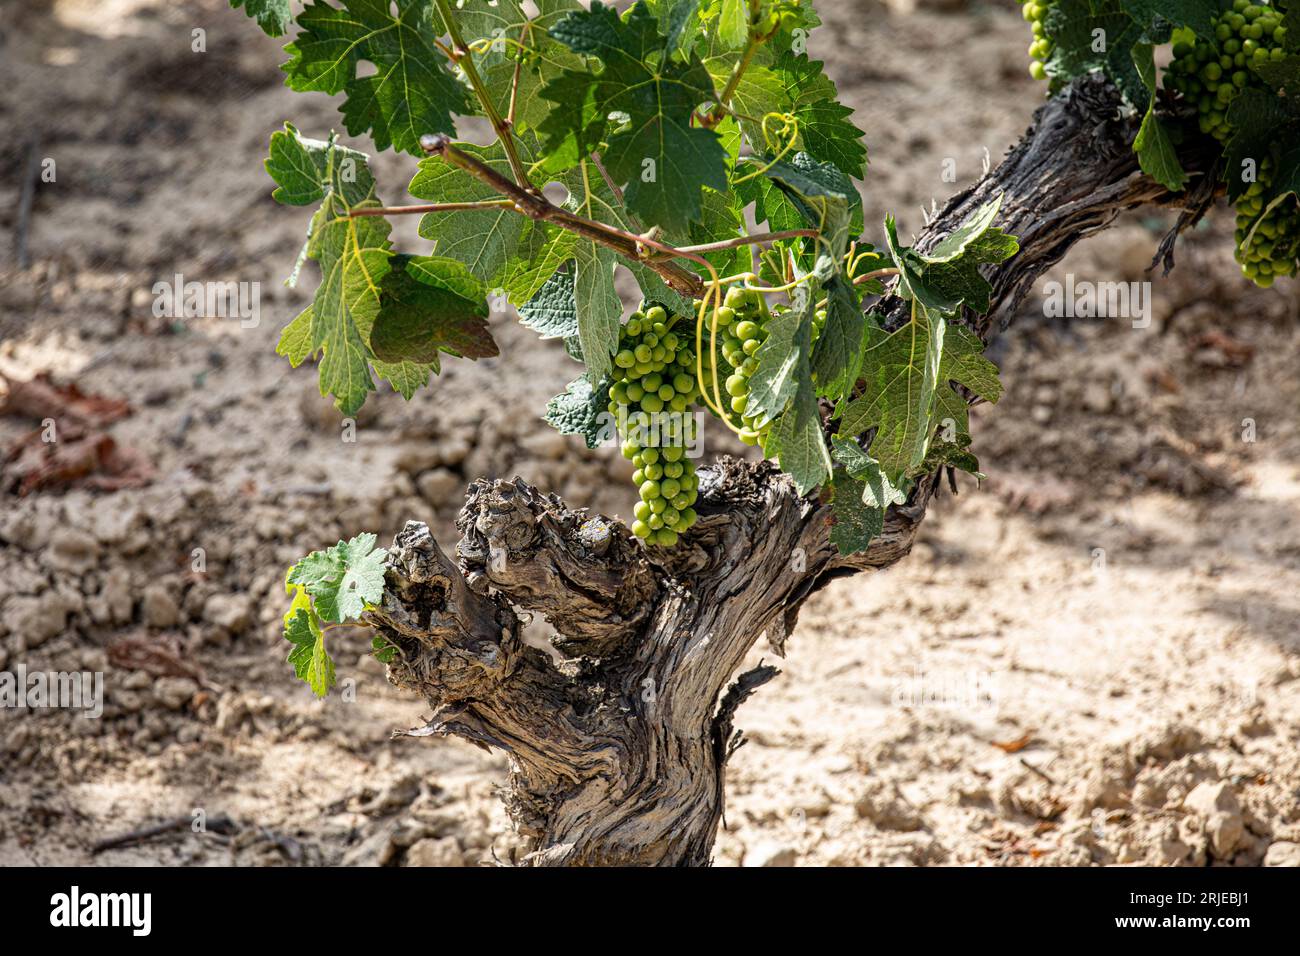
x=617, y=752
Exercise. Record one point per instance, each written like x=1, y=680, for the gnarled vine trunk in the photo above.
x=617, y=752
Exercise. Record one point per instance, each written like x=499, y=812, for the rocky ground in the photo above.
x=1091, y=659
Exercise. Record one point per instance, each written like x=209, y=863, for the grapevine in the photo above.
x=668, y=128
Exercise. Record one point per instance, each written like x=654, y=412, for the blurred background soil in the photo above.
x=1090, y=659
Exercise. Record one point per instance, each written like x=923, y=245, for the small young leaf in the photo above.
x=311, y=661
x=342, y=579
x=733, y=23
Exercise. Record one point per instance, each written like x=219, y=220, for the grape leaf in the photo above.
x=759, y=91
x=407, y=378
x=548, y=248
x=955, y=244
x=837, y=353
x=342, y=579
x=411, y=91
x=856, y=524
x=963, y=361
x=582, y=410
x=425, y=309
x=733, y=23
x=295, y=339
x=1072, y=25
x=598, y=307
x=354, y=258
x=552, y=312
x=677, y=22
x=1155, y=150
x=826, y=133
x=796, y=85
x=655, y=150
x=895, y=400
x=825, y=198
x=720, y=218
x=782, y=363
x=861, y=495
x=948, y=281
x=307, y=170
x=771, y=204
x=824, y=127
x=311, y=661
x=357, y=282
x=272, y=16
x=901, y=370
x=878, y=492
x=1282, y=75
x=1156, y=153
x=796, y=442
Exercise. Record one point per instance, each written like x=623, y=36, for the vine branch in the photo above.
x=460, y=55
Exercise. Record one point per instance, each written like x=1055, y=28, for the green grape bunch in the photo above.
x=1274, y=248
x=652, y=394
x=1041, y=48
x=1210, y=76
x=741, y=322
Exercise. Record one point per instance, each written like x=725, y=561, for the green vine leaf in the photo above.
x=653, y=149
x=861, y=495
x=1154, y=148
x=485, y=241
x=553, y=311
x=311, y=661
x=342, y=580
x=272, y=16
x=581, y=410
x=410, y=93
x=429, y=305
